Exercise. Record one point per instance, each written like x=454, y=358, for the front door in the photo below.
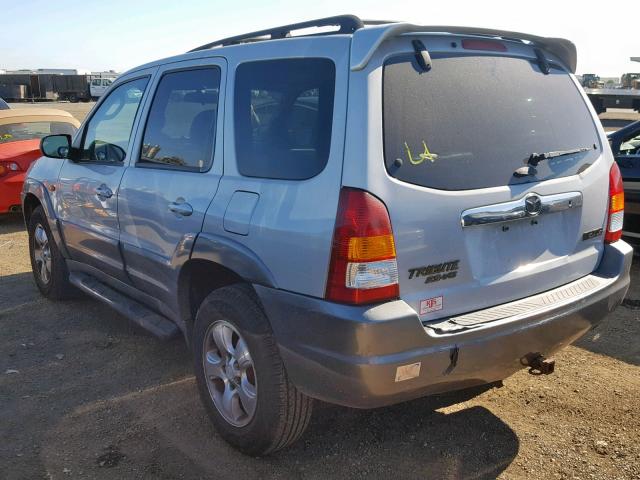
x=174, y=174
x=89, y=180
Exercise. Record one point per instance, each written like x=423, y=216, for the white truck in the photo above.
x=99, y=85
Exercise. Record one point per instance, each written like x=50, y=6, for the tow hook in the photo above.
x=538, y=364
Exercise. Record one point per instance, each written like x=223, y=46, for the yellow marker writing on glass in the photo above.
x=426, y=155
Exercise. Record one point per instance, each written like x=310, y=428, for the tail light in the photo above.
x=616, y=206
x=6, y=168
x=363, y=265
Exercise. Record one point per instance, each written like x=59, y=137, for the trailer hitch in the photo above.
x=538, y=364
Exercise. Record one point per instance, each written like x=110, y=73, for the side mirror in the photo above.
x=56, y=146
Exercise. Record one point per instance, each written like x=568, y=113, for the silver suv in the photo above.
x=366, y=214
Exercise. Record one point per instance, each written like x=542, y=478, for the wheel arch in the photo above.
x=34, y=195
x=216, y=262
x=29, y=204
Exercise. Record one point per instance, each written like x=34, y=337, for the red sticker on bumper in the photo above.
x=431, y=305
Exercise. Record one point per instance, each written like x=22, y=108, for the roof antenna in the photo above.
x=422, y=55
x=543, y=63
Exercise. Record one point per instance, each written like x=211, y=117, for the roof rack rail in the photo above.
x=347, y=24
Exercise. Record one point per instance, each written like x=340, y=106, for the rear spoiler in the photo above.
x=367, y=40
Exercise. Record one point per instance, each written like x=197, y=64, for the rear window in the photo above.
x=14, y=132
x=283, y=115
x=471, y=121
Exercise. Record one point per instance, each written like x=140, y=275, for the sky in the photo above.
x=121, y=34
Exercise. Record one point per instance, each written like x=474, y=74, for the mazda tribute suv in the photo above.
x=361, y=213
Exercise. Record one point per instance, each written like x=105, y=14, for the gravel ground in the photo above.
x=84, y=394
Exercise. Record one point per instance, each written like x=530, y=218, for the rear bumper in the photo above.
x=10, y=188
x=350, y=355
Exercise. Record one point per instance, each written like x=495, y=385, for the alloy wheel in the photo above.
x=229, y=373
x=42, y=254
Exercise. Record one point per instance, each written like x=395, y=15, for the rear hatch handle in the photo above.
x=530, y=205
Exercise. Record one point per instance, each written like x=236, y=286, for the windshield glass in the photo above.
x=471, y=121
x=14, y=132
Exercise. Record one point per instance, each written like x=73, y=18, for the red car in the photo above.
x=20, y=134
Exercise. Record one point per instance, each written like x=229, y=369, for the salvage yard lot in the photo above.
x=84, y=394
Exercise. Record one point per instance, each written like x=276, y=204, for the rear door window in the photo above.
x=471, y=121
x=283, y=116
x=180, y=130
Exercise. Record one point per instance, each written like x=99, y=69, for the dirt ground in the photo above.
x=84, y=394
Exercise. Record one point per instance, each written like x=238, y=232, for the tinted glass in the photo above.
x=631, y=145
x=14, y=132
x=181, y=126
x=283, y=116
x=471, y=121
x=108, y=132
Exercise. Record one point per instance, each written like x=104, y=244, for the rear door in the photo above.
x=174, y=174
x=88, y=184
x=470, y=233
x=626, y=148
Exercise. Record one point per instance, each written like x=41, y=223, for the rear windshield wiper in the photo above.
x=535, y=158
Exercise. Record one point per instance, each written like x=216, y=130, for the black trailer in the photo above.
x=72, y=87
x=603, y=98
x=23, y=87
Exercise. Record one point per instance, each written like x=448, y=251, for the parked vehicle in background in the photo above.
x=3, y=105
x=98, y=86
x=359, y=224
x=591, y=80
x=625, y=144
x=20, y=134
x=53, y=87
x=630, y=80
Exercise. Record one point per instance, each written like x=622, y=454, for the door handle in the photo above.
x=103, y=192
x=181, y=208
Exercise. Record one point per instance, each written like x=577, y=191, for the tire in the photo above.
x=278, y=414
x=43, y=251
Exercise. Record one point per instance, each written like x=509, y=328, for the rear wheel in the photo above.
x=49, y=268
x=241, y=377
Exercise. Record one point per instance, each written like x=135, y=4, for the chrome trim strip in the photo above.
x=517, y=209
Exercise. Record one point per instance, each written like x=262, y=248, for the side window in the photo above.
x=283, y=116
x=106, y=137
x=95, y=82
x=181, y=127
x=631, y=145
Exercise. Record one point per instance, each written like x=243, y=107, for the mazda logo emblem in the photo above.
x=533, y=205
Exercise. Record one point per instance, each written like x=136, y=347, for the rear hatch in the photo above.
x=469, y=233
